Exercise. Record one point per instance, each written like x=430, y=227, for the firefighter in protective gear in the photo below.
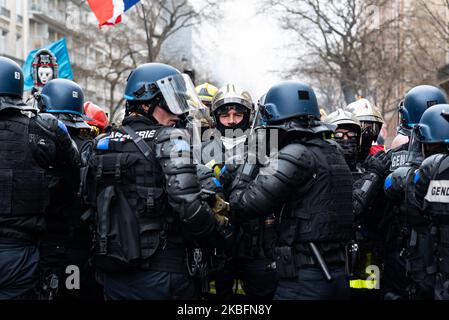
x=308, y=185
x=99, y=122
x=348, y=135
x=206, y=93
x=232, y=108
x=30, y=145
x=143, y=187
x=371, y=120
x=363, y=250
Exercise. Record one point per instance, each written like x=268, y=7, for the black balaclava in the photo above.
x=350, y=148
x=242, y=125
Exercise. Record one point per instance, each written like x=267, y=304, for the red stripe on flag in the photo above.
x=103, y=10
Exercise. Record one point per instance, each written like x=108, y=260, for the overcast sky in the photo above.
x=245, y=48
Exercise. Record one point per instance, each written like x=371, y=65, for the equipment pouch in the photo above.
x=285, y=262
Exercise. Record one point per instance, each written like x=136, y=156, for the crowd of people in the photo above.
x=188, y=198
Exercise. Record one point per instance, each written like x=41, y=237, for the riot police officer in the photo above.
x=404, y=243
x=67, y=240
x=145, y=193
x=309, y=187
x=30, y=144
x=430, y=192
x=232, y=110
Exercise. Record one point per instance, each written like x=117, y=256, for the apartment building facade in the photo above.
x=26, y=25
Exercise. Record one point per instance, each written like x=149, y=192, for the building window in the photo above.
x=3, y=40
x=19, y=13
x=19, y=46
x=4, y=11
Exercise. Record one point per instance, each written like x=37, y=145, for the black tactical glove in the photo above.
x=379, y=163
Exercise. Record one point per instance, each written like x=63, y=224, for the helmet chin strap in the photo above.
x=242, y=125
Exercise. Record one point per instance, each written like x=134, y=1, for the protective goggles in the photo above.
x=341, y=135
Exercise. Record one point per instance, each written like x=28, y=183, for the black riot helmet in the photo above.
x=417, y=101
x=433, y=129
x=65, y=99
x=289, y=99
x=12, y=78
x=157, y=84
x=292, y=107
x=11, y=86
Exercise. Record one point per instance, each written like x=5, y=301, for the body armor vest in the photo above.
x=23, y=183
x=437, y=207
x=139, y=186
x=323, y=213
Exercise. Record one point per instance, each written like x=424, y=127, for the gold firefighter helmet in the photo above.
x=232, y=94
x=365, y=111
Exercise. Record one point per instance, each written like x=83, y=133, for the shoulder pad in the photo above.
x=429, y=165
x=49, y=122
x=101, y=142
x=170, y=141
x=396, y=182
x=297, y=154
x=431, y=162
x=169, y=133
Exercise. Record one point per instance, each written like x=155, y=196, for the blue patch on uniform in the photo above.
x=388, y=182
x=417, y=177
x=62, y=126
x=182, y=146
x=223, y=170
x=217, y=183
x=103, y=144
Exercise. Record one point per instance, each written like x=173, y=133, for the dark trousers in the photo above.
x=149, y=285
x=18, y=271
x=259, y=281
x=55, y=258
x=310, y=284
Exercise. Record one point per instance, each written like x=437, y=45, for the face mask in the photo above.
x=230, y=143
x=349, y=151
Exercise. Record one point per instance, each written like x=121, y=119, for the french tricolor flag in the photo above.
x=109, y=12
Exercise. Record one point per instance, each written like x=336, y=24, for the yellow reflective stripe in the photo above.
x=212, y=288
x=239, y=288
x=362, y=284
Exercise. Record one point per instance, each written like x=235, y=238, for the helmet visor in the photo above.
x=179, y=94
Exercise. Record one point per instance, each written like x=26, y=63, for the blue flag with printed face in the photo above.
x=59, y=49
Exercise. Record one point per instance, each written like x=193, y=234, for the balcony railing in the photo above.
x=46, y=9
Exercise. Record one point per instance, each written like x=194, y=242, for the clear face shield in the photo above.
x=179, y=94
